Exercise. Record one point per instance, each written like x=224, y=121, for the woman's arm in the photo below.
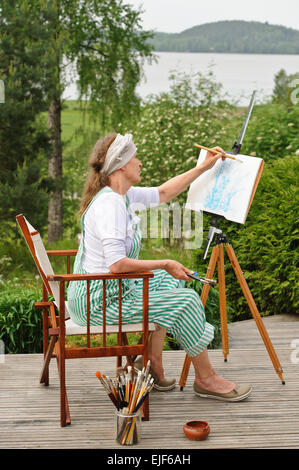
x=175, y=186
x=128, y=265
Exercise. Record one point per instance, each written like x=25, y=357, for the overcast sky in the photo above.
x=176, y=15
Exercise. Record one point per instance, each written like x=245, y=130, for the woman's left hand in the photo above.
x=176, y=269
x=211, y=158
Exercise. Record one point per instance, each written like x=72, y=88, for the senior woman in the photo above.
x=110, y=242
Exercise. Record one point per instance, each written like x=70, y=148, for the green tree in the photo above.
x=104, y=41
x=23, y=137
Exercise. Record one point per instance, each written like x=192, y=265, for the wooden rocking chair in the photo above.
x=57, y=324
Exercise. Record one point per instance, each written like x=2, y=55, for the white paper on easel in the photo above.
x=226, y=188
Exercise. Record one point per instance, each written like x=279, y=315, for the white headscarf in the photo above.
x=119, y=153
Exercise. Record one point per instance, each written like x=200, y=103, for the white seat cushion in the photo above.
x=72, y=328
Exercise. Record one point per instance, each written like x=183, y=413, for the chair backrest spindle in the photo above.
x=119, y=313
x=145, y=308
x=61, y=313
x=104, y=313
x=68, y=266
x=88, y=313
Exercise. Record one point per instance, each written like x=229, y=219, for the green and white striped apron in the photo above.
x=171, y=305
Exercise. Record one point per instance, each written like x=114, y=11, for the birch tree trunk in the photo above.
x=55, y=171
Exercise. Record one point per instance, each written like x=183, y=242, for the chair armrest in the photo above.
x=51, y=306
x=96, y=276
x=42, y=304
x=62, y=252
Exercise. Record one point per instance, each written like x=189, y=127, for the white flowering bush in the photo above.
x=171, y=123
x=272, y=132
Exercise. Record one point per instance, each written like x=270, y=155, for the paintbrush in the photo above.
x=103, y=382
x=121, y=393
x=140, y=397
x=217, y=151
x=111, y=385
x=128, y=435
x=122, y=381
x=107, y=381
x=107, y=390
x=130, y=379
x=147, y=369
x=143, y=397
x=113, y=388
x=139, y=388
x=136, y=393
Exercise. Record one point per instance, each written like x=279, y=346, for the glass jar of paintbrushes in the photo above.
x=128, y=428
x=127, y=393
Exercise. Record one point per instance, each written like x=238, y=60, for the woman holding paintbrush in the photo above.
x=110, y=243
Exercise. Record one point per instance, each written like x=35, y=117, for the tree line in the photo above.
x=231, y=37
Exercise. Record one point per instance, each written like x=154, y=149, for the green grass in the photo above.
x=73, y=120
x=111, y=340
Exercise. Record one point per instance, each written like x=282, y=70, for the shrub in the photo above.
x=267, y=245
x=170, y=125
x=272, y=132
x=20, y=322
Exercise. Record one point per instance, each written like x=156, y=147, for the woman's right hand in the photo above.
x=177, y=270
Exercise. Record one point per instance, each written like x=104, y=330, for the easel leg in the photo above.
x=185, y=372
x=255, y=312
x=209, y=274
x=222, y=303
x=204, y=297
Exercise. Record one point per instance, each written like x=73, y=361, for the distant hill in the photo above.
x=231, y=37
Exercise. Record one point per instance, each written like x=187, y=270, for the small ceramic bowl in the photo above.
x=196, y=430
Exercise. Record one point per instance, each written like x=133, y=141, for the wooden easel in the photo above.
x=217, y=257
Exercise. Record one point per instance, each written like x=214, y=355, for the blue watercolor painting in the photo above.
x=219, y=197
x=226, y=188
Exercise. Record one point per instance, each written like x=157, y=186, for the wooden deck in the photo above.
x=269, y=418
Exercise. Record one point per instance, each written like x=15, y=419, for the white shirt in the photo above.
x=108, y=226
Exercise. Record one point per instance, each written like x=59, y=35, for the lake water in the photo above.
x=239, y=74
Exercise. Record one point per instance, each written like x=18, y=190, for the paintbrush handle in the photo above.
x=114, y=401
x=140, y=402
x=215, y=151
x=108, y=391
x=148, y=366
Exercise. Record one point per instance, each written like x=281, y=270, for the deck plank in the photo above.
x=269, y=418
